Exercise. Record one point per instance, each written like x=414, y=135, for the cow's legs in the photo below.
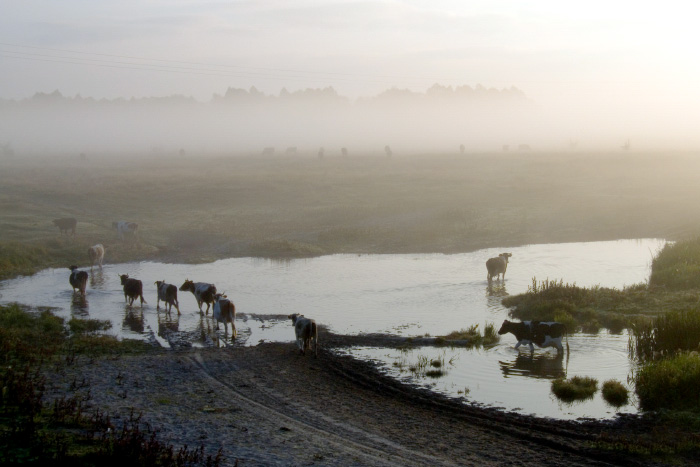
x=532, y=347
x=517, y=346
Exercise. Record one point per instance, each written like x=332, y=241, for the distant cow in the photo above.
x=65, y=224
x=78, y=279
x=203, y=292
x=291, y=150
x=344, y=151
x=96, y=253
x=497, y=266
x=544, y=334
x=124, y=228
x=224, y=311
x=269, y=151
x=387, y=151
x=167, y=293
x=133, y=289
x=305, y=330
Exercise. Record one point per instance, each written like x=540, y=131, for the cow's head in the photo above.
x=505, y=327
x=219, y=296
x=187, y=285
x=294, y=317
x=159, y=283
x=505, y=256
x=73, y=267
x=123, y=278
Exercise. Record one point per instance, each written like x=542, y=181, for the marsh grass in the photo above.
x=615, y=393
x=66, y=432
x=671, y=383
x=665, y=335
x=677, y=266
x=576, y=388
x=473, y=336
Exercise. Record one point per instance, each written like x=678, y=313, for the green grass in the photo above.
x=670, y=383
x=615, y=393
x=473, y=336
x=677, y=266
x=576, y=388
x=666, y=334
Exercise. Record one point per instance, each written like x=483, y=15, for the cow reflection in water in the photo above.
x=209, y=336
x=133, y=320
x=97, y=279
x=167, y=324
x=79, y=305
x=535, y=366
x=496, y=290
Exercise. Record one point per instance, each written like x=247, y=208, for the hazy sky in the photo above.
x=597, y=57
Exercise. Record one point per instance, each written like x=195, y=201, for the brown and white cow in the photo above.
x=224, y=311
x=96, y=253
x=125, y=229
x=542, y=333
x=65, y=224
x=167, y=293
x=305, y=330
x=497, y=266
x=133, y=289
x=202, y=291
x=78, y=279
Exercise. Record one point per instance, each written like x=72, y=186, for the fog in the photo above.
x=244, y=121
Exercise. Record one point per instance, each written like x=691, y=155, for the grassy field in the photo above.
x=199, y=209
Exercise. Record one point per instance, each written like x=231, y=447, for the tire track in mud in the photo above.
x=367, y=448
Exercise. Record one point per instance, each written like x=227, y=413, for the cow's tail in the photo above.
x=314, y=333
x=566, y=337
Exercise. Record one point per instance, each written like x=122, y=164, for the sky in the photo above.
x=612, y=59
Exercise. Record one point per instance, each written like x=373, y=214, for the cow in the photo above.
x=497, y=266
x=78, y=279
x=133, y=289
x=224, y=311
x=65, y=224
x=542, y=333
x=124, y=228
x=203, y=292
x=305, y=330
x=96, y=253
x=268, y=151
x=167, y=293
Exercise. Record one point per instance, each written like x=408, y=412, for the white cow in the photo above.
x=306, y=331
x=97, y=255
x=224, y=312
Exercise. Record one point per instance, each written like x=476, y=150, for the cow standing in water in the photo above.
x=497, y=266
x=203, y=292
x=133, y=289
x=542, y=333
x=224, y=311
x=78, y=279
x=167, y=293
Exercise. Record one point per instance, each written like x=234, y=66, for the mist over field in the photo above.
x=244, y=121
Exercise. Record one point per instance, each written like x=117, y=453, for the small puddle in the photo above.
x=404, y=295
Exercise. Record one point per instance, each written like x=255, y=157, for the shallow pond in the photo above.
x=407, y=295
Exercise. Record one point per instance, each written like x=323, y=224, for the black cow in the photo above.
x=133, y=289
x=78, y=279
x=167, y=293
x=65, y=224
x=544, y=334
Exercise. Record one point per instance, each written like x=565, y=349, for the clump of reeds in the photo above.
x=576, y=388
x=615, y=393
x=665, y=335
x=473, y=336
x=670, y=383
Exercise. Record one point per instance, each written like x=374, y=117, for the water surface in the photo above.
x=407, y=295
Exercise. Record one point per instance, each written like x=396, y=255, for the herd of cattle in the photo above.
x=543, y=334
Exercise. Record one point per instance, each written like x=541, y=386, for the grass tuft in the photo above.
x=615, y=393
x=576, y=388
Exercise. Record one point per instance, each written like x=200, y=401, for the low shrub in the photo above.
x=670, y=383
x=615, y=393
x=576, y=388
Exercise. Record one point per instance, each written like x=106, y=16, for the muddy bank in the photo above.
x=268, y=405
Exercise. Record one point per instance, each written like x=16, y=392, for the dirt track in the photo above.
x=267, y=405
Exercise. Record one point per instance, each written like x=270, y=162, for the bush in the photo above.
x=615, y=393
x=670, y=384
x=677, y=266
x=576, y=388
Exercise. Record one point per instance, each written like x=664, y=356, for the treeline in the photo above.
x=435, y=94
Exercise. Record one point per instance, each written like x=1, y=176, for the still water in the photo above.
x=407, y=295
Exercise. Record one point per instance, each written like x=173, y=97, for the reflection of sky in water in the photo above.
x=408, y=295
